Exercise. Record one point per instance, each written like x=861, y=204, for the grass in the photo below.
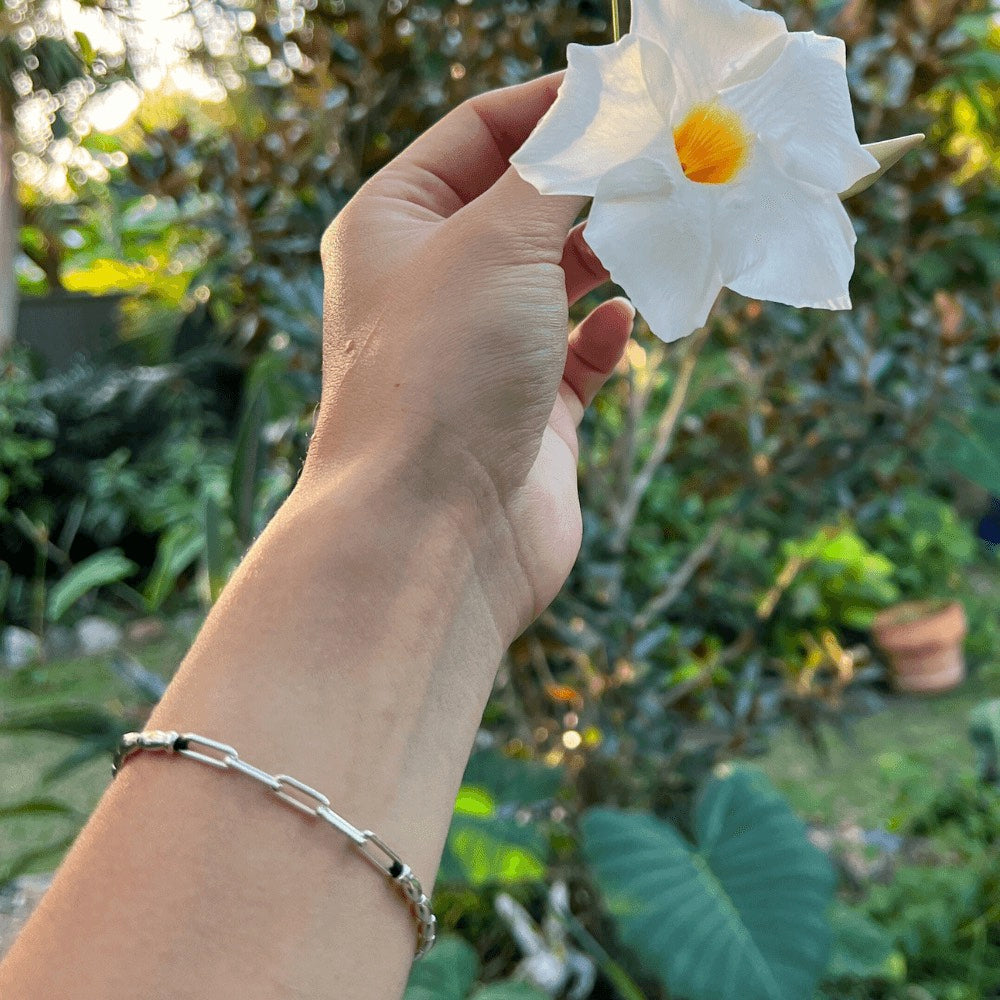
x=859, y=782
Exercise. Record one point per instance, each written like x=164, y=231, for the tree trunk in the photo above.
x=8, y=235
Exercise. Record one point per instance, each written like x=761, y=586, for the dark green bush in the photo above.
x=99, y=457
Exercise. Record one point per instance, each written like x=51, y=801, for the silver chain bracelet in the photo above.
x=364, y=840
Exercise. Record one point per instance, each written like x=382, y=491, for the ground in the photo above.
x=859, y=782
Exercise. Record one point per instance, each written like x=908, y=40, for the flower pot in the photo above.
x=923, y=640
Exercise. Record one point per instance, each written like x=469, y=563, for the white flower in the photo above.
x=715, y=144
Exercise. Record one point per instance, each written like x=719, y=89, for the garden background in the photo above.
x=694, y=779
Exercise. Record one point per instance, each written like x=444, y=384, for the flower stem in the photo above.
x=616, y=29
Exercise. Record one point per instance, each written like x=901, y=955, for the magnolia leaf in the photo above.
x=740, y=915
x=888, y=153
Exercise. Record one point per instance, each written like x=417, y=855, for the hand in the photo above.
x=446, y=357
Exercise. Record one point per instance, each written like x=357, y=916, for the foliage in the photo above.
x=98, y=570
x=926, y=543
x=449, y=973
x=743, y=915
x=838, y=579
x=984, y=731
x=98, y=458
x=861, y=948
x=940, y=910
x=486, y=843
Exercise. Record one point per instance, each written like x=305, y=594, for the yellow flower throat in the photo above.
x=711, y=144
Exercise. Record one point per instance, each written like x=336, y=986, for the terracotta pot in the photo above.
x=923, y=640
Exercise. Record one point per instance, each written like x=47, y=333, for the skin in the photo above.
x=356, y=645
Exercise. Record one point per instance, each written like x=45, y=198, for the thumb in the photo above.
x=537, y=221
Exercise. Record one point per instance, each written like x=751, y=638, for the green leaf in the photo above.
x=485, y=845
x=86, y=49
x=81, y=721
x=215, y=548
x=50, y=855
x=861, y=948
x=472, y=801
x=37, y=806
x=984, y=732
x=973, y=453
x=486, y=850
x=509, y=991
x=179, y=547
x=510, y=780
x=248, y=462
x=741, y=914
x=96, y=571
x=84, y=753
x=447, y=972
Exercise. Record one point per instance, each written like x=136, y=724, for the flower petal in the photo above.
x=650, y=228
x=800, y=108
x=784, y=241
x=711, y=43
x=603, y=117
x=888, y=152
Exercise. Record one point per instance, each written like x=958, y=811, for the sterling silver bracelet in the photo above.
x=382, y=857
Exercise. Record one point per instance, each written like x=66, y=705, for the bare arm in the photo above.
x=356, y=646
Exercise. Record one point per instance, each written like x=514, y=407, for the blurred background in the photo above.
x=753, y=747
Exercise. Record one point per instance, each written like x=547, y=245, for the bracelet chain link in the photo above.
x=301, y=797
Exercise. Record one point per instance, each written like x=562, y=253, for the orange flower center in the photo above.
x=712, y=144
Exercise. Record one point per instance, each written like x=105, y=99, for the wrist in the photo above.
x=355, y=650
x=433, y=502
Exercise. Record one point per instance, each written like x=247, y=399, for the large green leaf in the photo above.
x=741, y=914
x=447, y=972
x=96, y=571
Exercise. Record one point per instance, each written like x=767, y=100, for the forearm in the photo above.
x=354, y=651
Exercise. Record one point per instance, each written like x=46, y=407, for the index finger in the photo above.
x=467, y=151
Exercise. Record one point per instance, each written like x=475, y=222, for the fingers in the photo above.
x=595, y=347
x=467, y=151
x=584, y=272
